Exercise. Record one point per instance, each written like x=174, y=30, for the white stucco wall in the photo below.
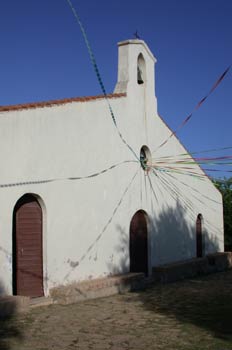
x=86, y=221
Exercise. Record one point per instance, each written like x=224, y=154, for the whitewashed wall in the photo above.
x=81, y=238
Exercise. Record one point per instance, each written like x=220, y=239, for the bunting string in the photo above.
x=39, y=182
x=190, y=160
x=189, y=171
x=97, y=72
x=178, y=171
x=185, y=121
x=198, y=105
x=75, y=264
x=186, y=165
x=199, y=194
x=175, y=192
x=191, y=154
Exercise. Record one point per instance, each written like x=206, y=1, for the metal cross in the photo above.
x=136, y=35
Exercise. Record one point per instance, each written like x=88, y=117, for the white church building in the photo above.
x=83, y=197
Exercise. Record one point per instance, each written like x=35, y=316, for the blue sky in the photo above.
x=43, y=56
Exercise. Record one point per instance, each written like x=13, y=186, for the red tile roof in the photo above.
x=57, y=102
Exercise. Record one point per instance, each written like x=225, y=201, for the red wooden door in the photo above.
x=199, y=236
x=138, y=243
x=28, y=248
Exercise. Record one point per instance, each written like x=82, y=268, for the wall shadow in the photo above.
x=9, y=328
x=121, y=250
x=171, y=239
x=206, y=301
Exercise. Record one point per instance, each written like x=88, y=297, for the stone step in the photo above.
x=75, y=292
x=211, y=263
x=107, y=286
x=40, y=301
x=97, y=288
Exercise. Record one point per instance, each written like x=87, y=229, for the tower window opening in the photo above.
x=139, y=76
x=140, y=69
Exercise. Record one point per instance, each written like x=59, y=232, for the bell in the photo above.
x=139, y=76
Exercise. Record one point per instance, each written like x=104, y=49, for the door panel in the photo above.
x=199, y=237
x=28, y=250
x=138, y=243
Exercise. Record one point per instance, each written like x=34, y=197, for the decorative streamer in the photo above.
x=94, y=63
x=152, y=189
x=176, y=170
x=186, y=166
x=173, y=178
x=77, y=263
x=164, y=185
x=194, y=189
x=183, y=165
x=188, y=155
x=38, y=182
x=186, y=120
x=174, y=192
x=158, y=187
x=219, y=170
x=185, y=171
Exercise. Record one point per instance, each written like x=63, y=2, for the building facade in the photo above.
x=88, y=194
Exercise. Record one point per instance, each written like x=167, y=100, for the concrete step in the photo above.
x=75, y=292
x=211, y=263
x=97, y=288
x=41, y=301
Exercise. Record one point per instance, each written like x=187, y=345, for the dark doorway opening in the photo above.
x=139, y=243
x=27, y=247
x=199, y=239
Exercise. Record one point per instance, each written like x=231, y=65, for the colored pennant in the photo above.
x=97, y=72
x=186, y=120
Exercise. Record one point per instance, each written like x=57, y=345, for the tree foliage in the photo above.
x=225, y=187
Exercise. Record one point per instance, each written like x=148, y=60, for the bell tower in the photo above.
x=136, y=70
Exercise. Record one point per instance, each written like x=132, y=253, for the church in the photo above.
x=93, y=187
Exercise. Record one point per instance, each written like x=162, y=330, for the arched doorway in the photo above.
x=27, y=247
x=199, y=238
x=139, y=243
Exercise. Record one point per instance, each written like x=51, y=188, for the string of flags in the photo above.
x=157, y=164
x=77, y=263
x=211, y=150
x=97, y=72
x=166, y=165
x=198, y=105
x=184, y=163
x=186, y=166
x=39, y=182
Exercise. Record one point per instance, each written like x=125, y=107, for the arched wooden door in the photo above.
x=199, y=245
x=139, y=243
x=27, y=242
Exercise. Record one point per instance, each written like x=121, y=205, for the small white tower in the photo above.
x=136, y=73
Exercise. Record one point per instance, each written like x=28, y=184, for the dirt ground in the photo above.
x=192, y=314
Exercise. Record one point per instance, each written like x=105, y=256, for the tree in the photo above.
x=225, y=187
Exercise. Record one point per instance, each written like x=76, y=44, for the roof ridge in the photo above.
x=50, y=103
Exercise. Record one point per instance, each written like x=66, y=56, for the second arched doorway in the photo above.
x=139, y=243
x=27, y=247
x=199, y=237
